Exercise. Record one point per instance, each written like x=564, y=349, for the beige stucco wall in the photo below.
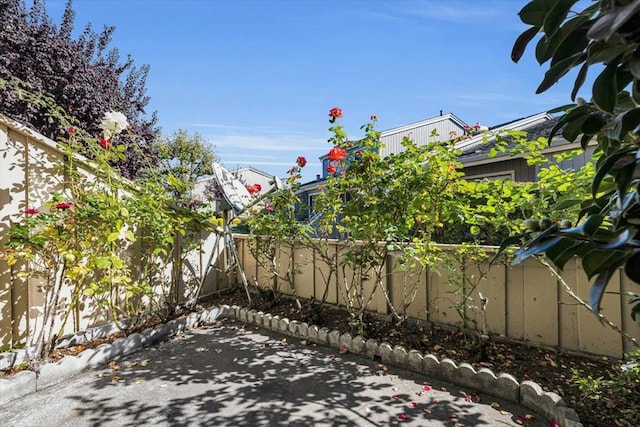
x=526, y=302
x=27, y=179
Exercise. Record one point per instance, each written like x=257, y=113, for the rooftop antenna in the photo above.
x=239, y=200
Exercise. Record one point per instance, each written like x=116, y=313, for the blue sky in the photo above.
x=257, y=78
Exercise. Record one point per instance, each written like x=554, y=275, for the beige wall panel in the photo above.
x=568, y=324
x=395, y=282
x=44, y=180
x=493, y=288
x=441, y=302
x=515, y=301
x=12, y=202
x=285, y=268
x=540, y=304
x=249, y=262
x=378, y=302
x=628, y=324
x=191, y=274
x=407, y=287
x=418, y=307
x=304, y=278
x=211, y=283
x=325, y=281
x=595, y=337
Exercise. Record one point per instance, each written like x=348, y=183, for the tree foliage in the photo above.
x=605, y=34
x=181, y=159
x=83, y=75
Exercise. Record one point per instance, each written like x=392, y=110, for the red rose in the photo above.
x=63, y=205
x=301, y=161
x=31, y=211
x=332, y=169
x=335, y=113
x=254, y=189
x=71, y=130
x=106, y=144
x=269, y=208
x=336, y=154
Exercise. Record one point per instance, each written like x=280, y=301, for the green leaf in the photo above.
x=605, y=88
x=574, y=39
x=521, y=43
x=611, y=21
x=630, y=121
x=580, y=79
x=598, y=287
x=112, y=237
x=556, y=72
x=565, y=204
x=562, y=108
x=535, y=12
x=592, y=124
x=102, y=262
x=556, y=16
x=530, y=250
x=634, y=64
x=622, y=239
x=509, y=241
x=605, y=167
x=597, y=261
x=130, y=236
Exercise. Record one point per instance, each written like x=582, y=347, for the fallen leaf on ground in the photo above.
x=163, y=386
x=235, y=359
x=138, y=381
x=495, y=405
x=343, y=350
x=144, y=363
x=426, y=387
x=427, y=410
x=115, y=379
x=130, y=364
x=304, y=342
x=205, y=349
x=505, y=412
x=217, y=350
x=114, y=366
x=100, y=374
x=402, y=416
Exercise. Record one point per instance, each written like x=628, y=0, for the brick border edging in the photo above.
x=27, y=382
x=528, y=393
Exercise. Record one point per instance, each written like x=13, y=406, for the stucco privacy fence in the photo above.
x=28, y=177
x=526, y=302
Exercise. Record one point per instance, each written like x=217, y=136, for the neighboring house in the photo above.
x=475, y=151
x=205, y=189
x=478, y=165
x=443, y=127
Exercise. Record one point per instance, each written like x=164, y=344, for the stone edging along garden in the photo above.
x=527, y=393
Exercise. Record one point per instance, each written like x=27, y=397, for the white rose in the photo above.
x=113, y=122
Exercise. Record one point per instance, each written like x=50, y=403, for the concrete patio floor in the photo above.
x=231, y=374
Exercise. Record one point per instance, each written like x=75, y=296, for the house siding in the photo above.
x=521, y=171
x=420, y=135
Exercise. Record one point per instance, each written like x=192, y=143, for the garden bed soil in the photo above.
x=554, y=371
